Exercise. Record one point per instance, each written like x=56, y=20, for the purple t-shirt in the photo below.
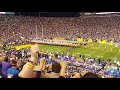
x=5, y=67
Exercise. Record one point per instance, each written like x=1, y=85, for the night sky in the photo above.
x=49, y=14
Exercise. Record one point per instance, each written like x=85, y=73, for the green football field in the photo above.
x=96, y=50
x=103, y=51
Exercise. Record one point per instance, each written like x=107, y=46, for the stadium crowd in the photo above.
x=15, y=27
x=30, y=63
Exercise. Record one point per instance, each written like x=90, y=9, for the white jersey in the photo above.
x=118, y=63
x=58, y=56
x=116, y=45
x=49, y=57
x=28, y=53
x=67, y=57
x=22, y=53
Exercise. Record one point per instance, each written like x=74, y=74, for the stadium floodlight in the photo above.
x=88, y=13
x=8, y=13
x=2, y=12
x=98, y=13
x=107, y=13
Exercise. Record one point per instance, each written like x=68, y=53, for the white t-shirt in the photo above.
x=118, y=63
x=66, y=56
x=50, y=57
x=23, y=54
x=58, y=56
x=9, y=75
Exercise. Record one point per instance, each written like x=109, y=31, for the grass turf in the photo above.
x=103, y=51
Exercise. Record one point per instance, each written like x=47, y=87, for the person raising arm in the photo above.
x=62, y=70
x=39, y=69
x=27, y=71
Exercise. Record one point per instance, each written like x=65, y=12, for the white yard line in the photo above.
x=106, y=52
x=116, y=55
x=96, y=50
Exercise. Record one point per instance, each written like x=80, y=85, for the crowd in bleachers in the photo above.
x=12, y=63
x=13, y=27
x=18, y=29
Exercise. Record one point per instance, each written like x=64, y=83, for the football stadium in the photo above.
x=59, y=45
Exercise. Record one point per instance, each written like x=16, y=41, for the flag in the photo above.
x=80, y=40
x=99, y=40
x=90, y=41
x=110, y=43
x=103, y=41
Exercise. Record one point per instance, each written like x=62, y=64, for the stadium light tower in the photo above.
x=37, y=32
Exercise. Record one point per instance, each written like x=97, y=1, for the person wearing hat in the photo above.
x=13, y=70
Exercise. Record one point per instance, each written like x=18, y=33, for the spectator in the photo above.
x=97, y=27
x=90, y=75
x=55, y=71
x=1, y=57
x=76, y=75
x=29, y=67
x=5, y=66
x=13, y=70
x=19, y=65
x=17, y=30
